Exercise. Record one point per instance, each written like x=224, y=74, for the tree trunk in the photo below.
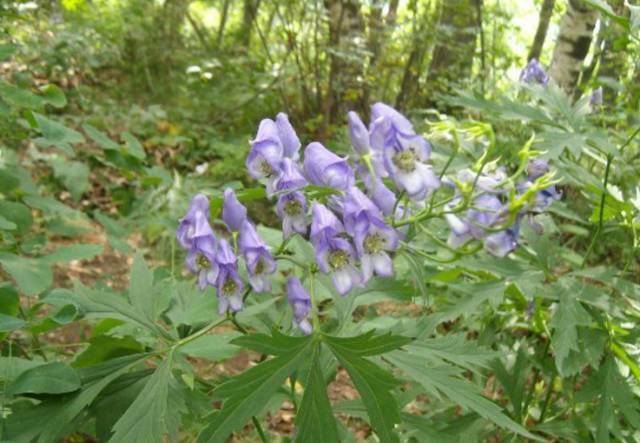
x=249, y=13
x=614, y=56
x=452, y=58
x=572, y=46
x=546, y=11
x=223, y=22
x=346, y=71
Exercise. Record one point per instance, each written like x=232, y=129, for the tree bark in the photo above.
x=346, y=71
x=452, y=58
x=572, y=46
x=249, y=12
x=223, y=22
x=546, y=11
x=614, y=56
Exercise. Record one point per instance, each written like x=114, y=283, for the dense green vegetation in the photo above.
x=511, y=313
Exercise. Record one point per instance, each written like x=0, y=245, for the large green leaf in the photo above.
x=17, y=213
x=10, y=323
x=56, y=134
x=446, y=380
x=73, y=252
x=213, y=346
x=248, y=393
x=52, y=378
x=19, y=97
x=565, y=339
x=372, y=382
x=100, y=138
x=32, y=275
x=141, y=292
x=454, y=348
x=149, y=418
x=315, y=421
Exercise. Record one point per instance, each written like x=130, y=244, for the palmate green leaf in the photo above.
x=565, y=339
x=141, y=293
x=248, y=393
x=315, y=421
x=372, y=382
x=94, y=380
x=52, y=378
x=215, y=347
x=153, y=414
x=275, y=344
x=614, y=400
x=454, y=348
x=447, y=381
x=101, y=303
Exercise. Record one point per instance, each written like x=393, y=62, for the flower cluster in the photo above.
x=215, y=260
x=534, y=73
x=351, y=225
x=489, y=217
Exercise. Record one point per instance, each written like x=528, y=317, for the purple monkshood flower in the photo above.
x=534, y=73
x=199, y=205
x=373, y=238
x=288, y=137
x=536, y=168
x=486, y=212
x=322, y=167
x=266, y=151
x=201, y=257
x=405, y=153
x=358, y=134
x=290, y=177
x=256, y=255
x=300, y=303
x=596, y=98
x=292, y=210
x=228, y=284
x=502, y=243
x=380, y=194
x=334, y=253
x=233, y=212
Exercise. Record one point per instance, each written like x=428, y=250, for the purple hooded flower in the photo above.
x=234, y=213
x=201, y=257
x=359, y=134
x=256, y=255
x=266, y=151
x=596, y=98
x=288, y=137
x=536, y=168
x=404, y=152
x=373, y=238
x=322, y=167
x=502, y=243
x=228, y=284
x=300, y=303
x=199, y=205
x=334, y=252
x=292, y=210
x=487, y=211
x=534, y=73
x=290, y=177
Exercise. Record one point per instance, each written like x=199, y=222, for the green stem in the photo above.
x=198, y=334
x=601, y=215
x=256, y=423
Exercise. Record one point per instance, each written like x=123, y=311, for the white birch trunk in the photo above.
x=572, y=45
